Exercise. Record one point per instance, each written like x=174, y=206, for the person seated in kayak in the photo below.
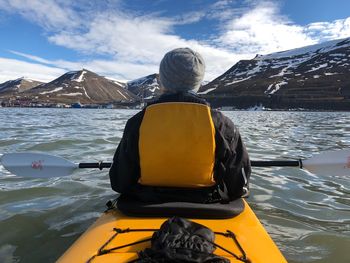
x=178, y=148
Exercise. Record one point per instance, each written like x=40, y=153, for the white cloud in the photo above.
x=189, y=18
x=54, y=68
x=224, y=11
x=119, y=69
x=49, y=14
x=330, y=30
x=135, y=44
x=31, y=57
x=62, y=64
x=13, y=69
x=263, y=30
x=132, y=44
x=139, y=39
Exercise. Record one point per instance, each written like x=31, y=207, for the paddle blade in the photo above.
x=37, y=165
x=334, y=163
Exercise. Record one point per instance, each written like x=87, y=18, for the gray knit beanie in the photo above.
x=181, y=69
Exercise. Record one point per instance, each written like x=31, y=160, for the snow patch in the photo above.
x=317, y=68
x=331, y=73
x=268, y=89
x=122, y=94
x=257, y=69
x=288, y=64
x=237, y=81
x=122, y=83
x=207, y=91
x=86, y=93
x=337, y=55
x=154, y=89
x=51, y=91
x=277, y=87
x=282, y=72
x=73, y=94
x=139, y=81
x=80, y=78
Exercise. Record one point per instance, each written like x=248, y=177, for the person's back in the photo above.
x=177, y=148
x=182, y=157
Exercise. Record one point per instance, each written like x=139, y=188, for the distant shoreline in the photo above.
x=220, y=109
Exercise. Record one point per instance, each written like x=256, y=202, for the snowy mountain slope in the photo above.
x=301, y=77
x=83, y=86
x=18, y=85
x=146, y=87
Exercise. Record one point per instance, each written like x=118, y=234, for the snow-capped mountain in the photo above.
x=81, y=86
x=316, y=76
x=18, y=85
x=146, y=87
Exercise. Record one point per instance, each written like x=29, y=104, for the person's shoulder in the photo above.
x=219, y=115
x=137, y=115
x=222, y=122
x=135, y=119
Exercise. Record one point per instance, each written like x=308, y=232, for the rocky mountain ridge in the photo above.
x=81, y=86
x=146, y=88
x=18, y=85
x=313, y=77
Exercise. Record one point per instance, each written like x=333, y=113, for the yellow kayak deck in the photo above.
x=103, y=242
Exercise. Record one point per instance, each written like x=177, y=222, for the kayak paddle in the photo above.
x=39, y=165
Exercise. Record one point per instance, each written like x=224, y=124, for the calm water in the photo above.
x=308, y=216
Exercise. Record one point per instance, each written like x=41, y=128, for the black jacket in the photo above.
x=232, y=167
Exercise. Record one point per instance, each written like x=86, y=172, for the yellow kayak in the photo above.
x=116, y=237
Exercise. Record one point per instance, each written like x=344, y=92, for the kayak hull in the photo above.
x=104, y=240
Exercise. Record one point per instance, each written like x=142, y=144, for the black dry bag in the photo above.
x=180, y=240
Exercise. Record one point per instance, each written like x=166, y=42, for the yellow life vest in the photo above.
x=177, y=145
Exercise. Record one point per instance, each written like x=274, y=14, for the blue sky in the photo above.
x=126, y=39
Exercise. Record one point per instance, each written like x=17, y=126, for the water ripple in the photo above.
x=307, y=215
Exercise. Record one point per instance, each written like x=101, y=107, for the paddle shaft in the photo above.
x=99, y=165
x=39, y=165
x=102, y=165
x=277, y=163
